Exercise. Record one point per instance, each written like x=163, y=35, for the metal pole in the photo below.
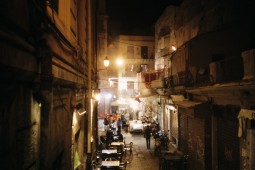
x=104, y=108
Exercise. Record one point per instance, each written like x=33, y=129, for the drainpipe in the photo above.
x=214, y=142
x=171, y=79
x=89, y=95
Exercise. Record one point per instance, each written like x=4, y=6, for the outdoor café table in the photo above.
x=110, y=163
x=117, y=144
x=107, y=153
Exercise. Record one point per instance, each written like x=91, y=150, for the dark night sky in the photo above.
x=134, y=17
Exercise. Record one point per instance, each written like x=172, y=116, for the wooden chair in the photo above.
x=105, y=157
x=111, y=159
x=123, y=165
x=129, y=147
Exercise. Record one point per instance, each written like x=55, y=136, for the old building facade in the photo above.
x=48, y=72
x=208, y=92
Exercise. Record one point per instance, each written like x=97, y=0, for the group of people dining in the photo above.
x=111, y=151
x=113, y=122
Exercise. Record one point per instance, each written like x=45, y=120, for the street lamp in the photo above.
x=106, y=62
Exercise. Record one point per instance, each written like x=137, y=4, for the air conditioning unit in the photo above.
x=159, y=83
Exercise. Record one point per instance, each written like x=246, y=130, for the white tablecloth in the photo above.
x=110, y=163
x=109, y=151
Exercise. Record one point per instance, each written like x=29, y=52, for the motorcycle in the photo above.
x=161, y=142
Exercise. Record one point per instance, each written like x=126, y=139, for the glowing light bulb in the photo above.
x=173, y=48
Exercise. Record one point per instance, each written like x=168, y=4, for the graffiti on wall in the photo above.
x=27, y=146
x=196, y=147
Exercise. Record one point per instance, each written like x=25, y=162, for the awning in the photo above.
x=193, y=108
x=119, y=103
x=188, y=103
x=244, y=114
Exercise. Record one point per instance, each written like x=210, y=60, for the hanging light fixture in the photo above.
x=173, y=48
x=106, y=62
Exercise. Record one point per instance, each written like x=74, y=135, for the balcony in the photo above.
x=152, y=79
x=186, y=78
x=164, y=52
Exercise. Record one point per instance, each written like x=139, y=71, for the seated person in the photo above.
x=120, y=136
x=109, y=137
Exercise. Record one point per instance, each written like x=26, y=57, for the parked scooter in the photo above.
x=161, y=142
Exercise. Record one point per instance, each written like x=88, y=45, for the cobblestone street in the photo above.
x=143, y=158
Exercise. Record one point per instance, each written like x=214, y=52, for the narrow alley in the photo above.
x=143, y=158
x=86, y=83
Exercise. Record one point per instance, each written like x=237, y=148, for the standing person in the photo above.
x=105, y=123
x=147, y=135
x=119, y=124
x=123, y=119
x=110, y=121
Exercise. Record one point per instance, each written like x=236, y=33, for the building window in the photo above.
x=144, y=52
x=130, y=52
x=54, y=5
x=73, y=11
x=130, y=84
x=130, y=67
x=143, y=67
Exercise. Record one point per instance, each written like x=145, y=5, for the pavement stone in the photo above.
x=143, y=158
